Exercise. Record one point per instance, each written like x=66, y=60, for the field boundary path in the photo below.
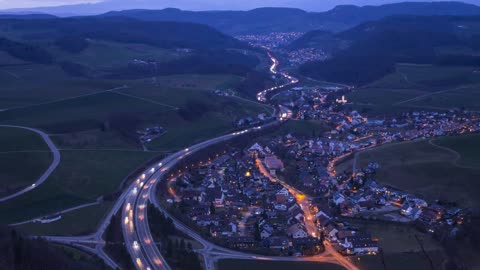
x=430, y=94
x=458, y=156
x=47, y=173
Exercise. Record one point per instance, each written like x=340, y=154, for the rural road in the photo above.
x=47, y=173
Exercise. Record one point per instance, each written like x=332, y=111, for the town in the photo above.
x=282, y=195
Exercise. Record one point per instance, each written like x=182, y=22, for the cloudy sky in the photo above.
x=208, y=4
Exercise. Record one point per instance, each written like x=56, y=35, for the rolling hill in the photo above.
x=266, y=20
x=159, y=34
x=261, y=20
x=374, y=47
x=164, y=48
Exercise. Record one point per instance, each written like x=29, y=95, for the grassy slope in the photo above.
x=16, y=139
x=425, y=170
x=81, y=177
x=400, y=245
x=397, y=238
x=113, y=54
x=95, y=161
x=85, y=175
x=178, y=91
x=18, y=170
x=24, y=85
x=21, y=149
x=85, y=112
x=79, y=222
x=466, y=146
x=403, y=260
x=420, y=87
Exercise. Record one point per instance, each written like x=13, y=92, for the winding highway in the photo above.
x=137, y=234
x=134, y=202
x=262, y=95
x=47, y=173
x=135, y=227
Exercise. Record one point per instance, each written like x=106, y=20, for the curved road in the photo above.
x=135, y=227
x=137, y=234
x=262, y=96
x=134, y=203
x=47, y=173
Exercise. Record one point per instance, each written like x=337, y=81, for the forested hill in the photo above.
x=166, y=48
x=160, y=34
x=266, y=20
x=26, y=16
x=374, y=47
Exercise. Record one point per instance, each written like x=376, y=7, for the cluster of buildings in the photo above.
x=358, y=131
x=148, y=134
x=270, y=40
x=233, y=200
x=250, y=199
x=304, y=55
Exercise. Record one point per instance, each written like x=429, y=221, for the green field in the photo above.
x=81, y=177
x=86, y=171
x=24, y=157
x=79, y=222
x=466, y=146
x=397, y=237
x=105, y=54
x=81, y=113
x=18, y=170
x=427, y=170
x=93, y=121
x=416, y=87
x=149, y=104
x=231, y=264
x=402, y=260
x=17, y=139
x=24, y=85
x=217, y=116
x=196, y=82
x=401, y=246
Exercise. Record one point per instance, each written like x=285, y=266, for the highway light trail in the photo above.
x=262, y=96
x=136, y=231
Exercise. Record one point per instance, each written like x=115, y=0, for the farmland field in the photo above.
x=403, y=260
x=21, y=149
x=17, y=139
x=24, y=85
x=427, y=170
x=401, y=247
x=79, y=222
x=110, y=54
x=96, y=155
x=94, y=121
x=81, y=177
x=417, y=87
